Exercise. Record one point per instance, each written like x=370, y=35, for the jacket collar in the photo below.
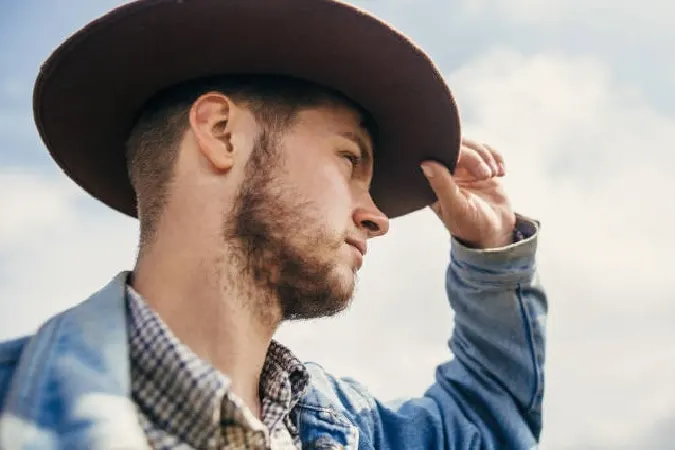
x=72, y=382
x=72, y=387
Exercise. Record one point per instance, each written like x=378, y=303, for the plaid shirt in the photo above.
x=185, y=403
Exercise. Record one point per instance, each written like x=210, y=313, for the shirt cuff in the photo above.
x=517, y=259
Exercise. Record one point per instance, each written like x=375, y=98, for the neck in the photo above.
x=209, y=309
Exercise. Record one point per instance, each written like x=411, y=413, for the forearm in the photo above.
x=499, y=335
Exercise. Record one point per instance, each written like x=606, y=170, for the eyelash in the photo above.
x=354, y=159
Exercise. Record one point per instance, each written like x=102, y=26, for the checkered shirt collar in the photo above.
x=189, y=398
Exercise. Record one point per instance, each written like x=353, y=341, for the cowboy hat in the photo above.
x=92, y=87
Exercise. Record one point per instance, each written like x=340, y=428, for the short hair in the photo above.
x=154, y=141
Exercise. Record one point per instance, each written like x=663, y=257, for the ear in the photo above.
x=210, y=116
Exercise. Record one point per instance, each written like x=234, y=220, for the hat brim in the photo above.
x=91, y=88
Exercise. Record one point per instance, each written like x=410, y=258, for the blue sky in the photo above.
x=579, y=95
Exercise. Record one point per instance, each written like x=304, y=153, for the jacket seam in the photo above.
x=492, y=279
x=316, y=407
x=340, y=419
x=335, y=416
x=527, y=325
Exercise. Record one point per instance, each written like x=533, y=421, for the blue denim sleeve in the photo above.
x=490, y=395
x=10, y=352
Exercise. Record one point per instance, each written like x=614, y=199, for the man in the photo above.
x=259, y=167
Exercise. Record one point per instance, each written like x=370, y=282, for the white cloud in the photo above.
x=587, y=156
x=650, y=19
x=585, y=153
x=53, y=252
x=30, y=203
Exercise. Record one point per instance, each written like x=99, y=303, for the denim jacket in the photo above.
x=68, y=386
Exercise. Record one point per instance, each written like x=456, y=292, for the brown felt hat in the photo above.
x=91, y=89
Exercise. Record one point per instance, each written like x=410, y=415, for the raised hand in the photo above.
x=472, y=204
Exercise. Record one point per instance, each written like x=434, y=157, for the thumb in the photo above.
x=443, y=184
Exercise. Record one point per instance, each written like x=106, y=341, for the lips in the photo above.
x=361, y=246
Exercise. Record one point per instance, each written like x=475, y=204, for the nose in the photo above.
x=370, y=219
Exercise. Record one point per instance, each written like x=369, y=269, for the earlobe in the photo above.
x=209, y=122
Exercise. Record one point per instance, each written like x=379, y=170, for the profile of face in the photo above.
x=303, y=211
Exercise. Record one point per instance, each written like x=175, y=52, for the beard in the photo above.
x=280, y=245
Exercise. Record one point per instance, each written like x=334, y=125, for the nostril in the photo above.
x=370, y=226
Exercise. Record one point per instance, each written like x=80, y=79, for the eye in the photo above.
x=352, y=158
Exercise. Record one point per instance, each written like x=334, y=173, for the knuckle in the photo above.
x=495, y=153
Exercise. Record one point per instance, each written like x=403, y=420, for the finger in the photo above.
x=485, y=153
x=498, y=158
x=473, y=163
x=444, y=186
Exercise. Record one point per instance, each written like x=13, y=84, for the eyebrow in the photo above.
x=364, y=148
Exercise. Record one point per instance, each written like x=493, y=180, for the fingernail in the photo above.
x=427, y=171
x=485, y=171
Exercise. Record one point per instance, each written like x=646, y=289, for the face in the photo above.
x=304, y=213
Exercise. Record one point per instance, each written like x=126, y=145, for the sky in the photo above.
x=578, y=95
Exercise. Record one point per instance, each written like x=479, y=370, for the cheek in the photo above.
x=332, y=185
x=322, y=182
x=329, y=192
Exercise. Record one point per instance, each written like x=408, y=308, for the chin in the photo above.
x=345, y=276
x=327, y=298
x=344, y=287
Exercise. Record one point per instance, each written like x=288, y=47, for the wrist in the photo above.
x=495, y=239
x=522, y=228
